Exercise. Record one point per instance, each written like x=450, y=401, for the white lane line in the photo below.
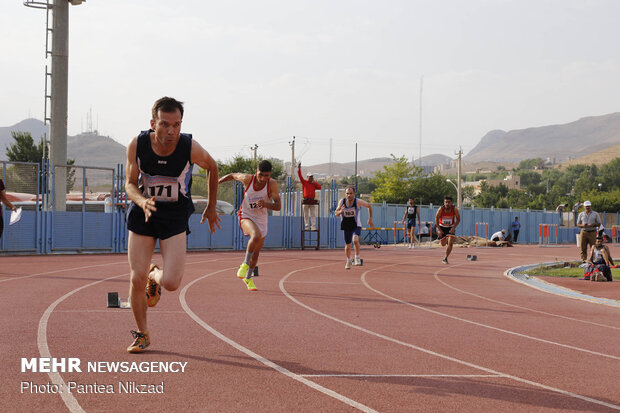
x=518, y=306
x=70, y=401
x=323, y=282
x=458, y=376
x=260, y=358
x=431, y=352
x=121, y=311
x=464, y=320
x=62, y=270
x=93, y=266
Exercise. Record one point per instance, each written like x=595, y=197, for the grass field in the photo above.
x=574, y=272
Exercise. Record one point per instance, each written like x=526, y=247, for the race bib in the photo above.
x=446, y=222
x=253, y=202
x=349, y=213
x=163, y=188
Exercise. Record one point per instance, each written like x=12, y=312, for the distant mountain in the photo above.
x=365, y=168
x=36, y=128
x=597, y=158
x=559, y=142
x=88, y=149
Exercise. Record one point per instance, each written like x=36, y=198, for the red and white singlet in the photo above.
x=249, y=207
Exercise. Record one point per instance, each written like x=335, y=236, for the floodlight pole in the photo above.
x=59, y=98
x=356, y=168
x=58, y=95
x=459, y=200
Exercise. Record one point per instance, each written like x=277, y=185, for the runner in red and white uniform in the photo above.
x=446, y=221
x=261, y=194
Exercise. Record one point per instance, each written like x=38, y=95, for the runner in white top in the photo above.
x=261, y=194
x=249, y=207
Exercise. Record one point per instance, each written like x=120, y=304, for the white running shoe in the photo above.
x=358, y=261
x=347, y=266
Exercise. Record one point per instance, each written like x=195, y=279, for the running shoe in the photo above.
x=243, y=270
x=358, y=261
x=250, y=284
x=445, y=260
x=140, y=343
x=347, y=266
x=153, y=289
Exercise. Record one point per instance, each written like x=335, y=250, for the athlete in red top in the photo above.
x=446, y=221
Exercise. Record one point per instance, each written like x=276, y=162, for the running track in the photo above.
x=403, y=333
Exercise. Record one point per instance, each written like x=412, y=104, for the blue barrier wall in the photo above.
x=61, y=232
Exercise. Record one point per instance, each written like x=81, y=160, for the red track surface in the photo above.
x=401, y=333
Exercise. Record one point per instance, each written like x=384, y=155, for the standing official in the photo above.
x=588, y=221
x=309, y=203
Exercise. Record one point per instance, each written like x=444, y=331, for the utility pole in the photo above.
x=59, y=90
x=292, y=144
x=459, y=200
x=356, y=168
x=420, y=132
x=254, y=148
x=330, y=159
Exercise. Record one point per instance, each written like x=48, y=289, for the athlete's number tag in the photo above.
x=349, y=213
x=253, y=202
x=163, y=188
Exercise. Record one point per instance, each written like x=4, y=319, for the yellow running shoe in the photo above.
x=250, y=284
x=153, y=290
x=140, y=343
x=243, y=270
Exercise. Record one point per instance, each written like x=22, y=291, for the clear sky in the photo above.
x=259, y=72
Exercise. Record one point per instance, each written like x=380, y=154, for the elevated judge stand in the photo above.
x=311, y=236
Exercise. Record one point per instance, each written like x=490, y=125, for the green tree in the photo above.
x=245, y=165
x=432, y=189
x=365, y=185
x=609, y=175
x=394, y=182
x=529, y=178
x=24, y=149
x=534, y=163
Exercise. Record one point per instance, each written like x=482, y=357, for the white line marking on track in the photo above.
x=431, y=352
x=70, y=401
x=518, y=306
x=464, y=320
x=62, y=270
x=322, y=282
x=408, y=375
x=260, y=358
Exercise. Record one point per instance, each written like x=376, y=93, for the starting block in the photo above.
x=472, y=257
x=377, y=245
x=114, y=301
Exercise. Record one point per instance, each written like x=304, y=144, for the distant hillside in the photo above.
x=559, y=142
x=88, y=149
x=36, y=128
x=365, y=168
x=597, y=158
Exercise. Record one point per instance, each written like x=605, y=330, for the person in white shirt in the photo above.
x=498, y=236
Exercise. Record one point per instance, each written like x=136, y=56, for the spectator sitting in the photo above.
x=599, y=259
